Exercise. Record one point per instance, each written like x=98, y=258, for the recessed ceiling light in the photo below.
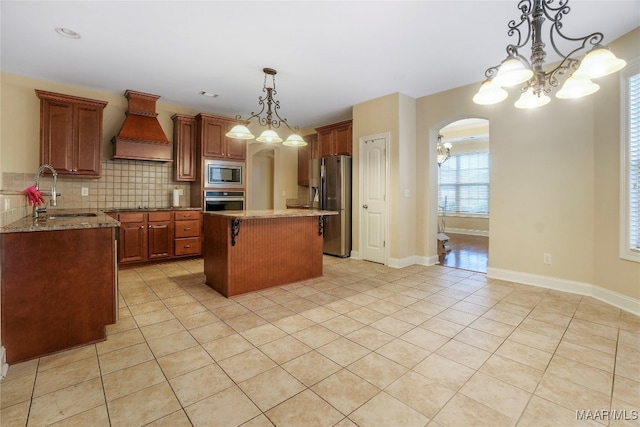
x=209, y=94
x=65, y=32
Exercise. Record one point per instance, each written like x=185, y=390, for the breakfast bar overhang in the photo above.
x=249, y=250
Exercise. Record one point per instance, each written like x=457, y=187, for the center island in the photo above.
x=249, y=250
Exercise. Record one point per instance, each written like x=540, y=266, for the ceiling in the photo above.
x=330, y=55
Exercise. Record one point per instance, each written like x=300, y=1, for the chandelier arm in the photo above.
x=514, y=28
x=555, y=15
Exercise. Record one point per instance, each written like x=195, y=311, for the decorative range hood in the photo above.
x=141, y=136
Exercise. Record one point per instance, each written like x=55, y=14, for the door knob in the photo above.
x=365, y=206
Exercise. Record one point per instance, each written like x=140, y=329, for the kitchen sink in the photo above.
x=72, y=215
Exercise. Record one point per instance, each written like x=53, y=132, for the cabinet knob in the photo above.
x=365, y=206
x=142, y=226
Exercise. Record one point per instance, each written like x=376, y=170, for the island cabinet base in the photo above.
x=58, y=290
x=265, y=252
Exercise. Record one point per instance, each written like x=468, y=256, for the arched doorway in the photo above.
x=463, y=194
x=262, y=180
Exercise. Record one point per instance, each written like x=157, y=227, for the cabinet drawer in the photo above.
x=132, y=217
x=187, y=228
x=189, y=246
x=186, y=215
x=159, y=216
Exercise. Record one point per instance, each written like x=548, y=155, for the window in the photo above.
x=464, y=181
x=630, y=163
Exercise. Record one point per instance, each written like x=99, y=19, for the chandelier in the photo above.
x=240, y=131
x=444, y=151
x=516, y=69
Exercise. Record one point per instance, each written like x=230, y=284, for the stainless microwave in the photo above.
x=223, y=174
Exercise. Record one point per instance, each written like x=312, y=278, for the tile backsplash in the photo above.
x=123, y=184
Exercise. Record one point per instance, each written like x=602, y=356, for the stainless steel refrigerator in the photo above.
x=330, y=189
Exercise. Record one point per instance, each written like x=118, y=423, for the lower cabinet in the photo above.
x=188, y=235
x=58, y=290
x=160, y=235
x=149, y=236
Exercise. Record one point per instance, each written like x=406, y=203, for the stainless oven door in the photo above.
x=223, y=201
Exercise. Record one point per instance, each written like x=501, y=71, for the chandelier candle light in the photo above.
x=515, y=69
x=240, y=131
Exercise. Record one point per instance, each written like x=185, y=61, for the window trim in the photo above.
x=626, y=253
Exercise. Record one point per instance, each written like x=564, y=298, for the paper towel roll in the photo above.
x=176, y=198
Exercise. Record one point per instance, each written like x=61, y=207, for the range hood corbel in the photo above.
x=141, y=136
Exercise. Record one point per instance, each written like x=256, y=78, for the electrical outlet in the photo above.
x=181, y=191
x=84, y=191
x=547, y=258
x=6, y=204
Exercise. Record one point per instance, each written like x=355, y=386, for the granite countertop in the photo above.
x=61, y=219
x=147, y=209
x=273, y=213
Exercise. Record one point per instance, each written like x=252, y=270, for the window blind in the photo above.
x=464, y=181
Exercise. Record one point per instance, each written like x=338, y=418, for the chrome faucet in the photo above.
x=52, y=195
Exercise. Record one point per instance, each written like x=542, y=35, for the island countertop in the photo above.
x=271, y=213
x=61, y=219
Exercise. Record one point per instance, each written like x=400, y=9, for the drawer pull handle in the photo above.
x=187, y=246
x=187, y=228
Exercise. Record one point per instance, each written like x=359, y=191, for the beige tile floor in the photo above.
x=364, y=345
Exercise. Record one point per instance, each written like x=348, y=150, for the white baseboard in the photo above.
x=610, y=297
x=467, y=231
x=355, y=255
x=3, y=363
x=402, y=262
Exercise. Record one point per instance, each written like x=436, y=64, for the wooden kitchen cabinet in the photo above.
x=133, y=237
x=188, y=233
x=58, y=290
x=71, y=134
x=160, y=235
x=335, y=139
x=305, y=154
x=184, y=147
x=156, y=235
x=210, y=131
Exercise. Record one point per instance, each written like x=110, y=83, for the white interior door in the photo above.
x=373, y=207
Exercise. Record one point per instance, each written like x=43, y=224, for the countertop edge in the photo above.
x=271, y=214
x=30, y=224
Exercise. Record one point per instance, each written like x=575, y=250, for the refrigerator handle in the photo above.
x=323, y=189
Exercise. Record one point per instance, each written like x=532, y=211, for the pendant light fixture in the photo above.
x=240, y=131
x=516, y=69
x=443, y=149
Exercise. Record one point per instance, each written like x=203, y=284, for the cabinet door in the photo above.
x=213, y=138
x=184, y=145
x=342, y=140
x=303, y=165
x=325, y=143
x=87, y=140
x=71, y=133
x=314, y=146
x=236, y=149
x=56, y=128
x=160, y=239
x=133, y=242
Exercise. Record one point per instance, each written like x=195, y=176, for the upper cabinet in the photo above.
x=335, y=139
x=305, y=154
x=71, y=134
x=211, y=131
x=184, y=147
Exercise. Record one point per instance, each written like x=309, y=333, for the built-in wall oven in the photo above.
x=223, y=200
